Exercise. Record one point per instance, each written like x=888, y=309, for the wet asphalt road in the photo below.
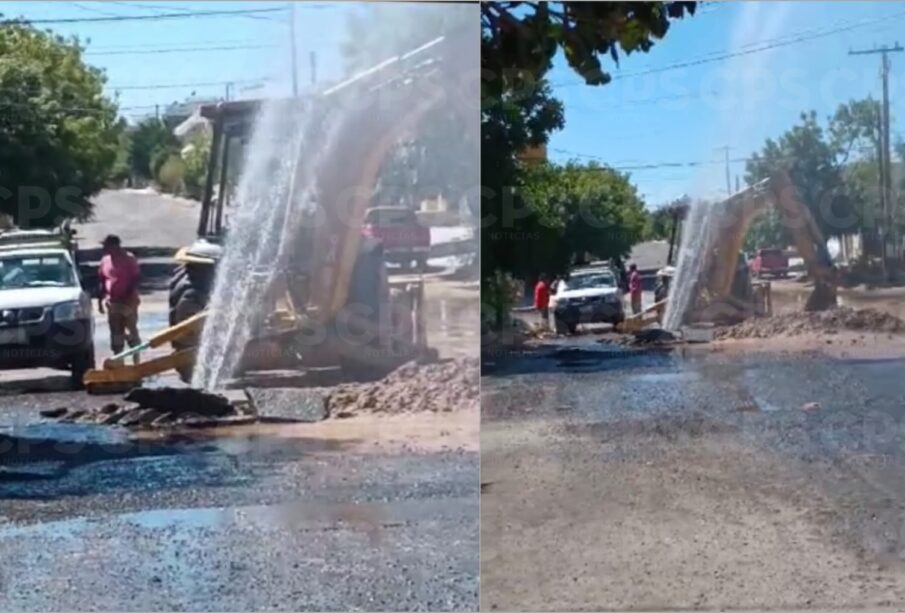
x=234, y=524
x=691, y=480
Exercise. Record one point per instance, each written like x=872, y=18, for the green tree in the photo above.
x=659, y=222
x=152, y=144
x=171, y=175
x=578, y=210
x=122, y=170
x=520, y=39
x=508, y=128
x=196, y=162
x=58, y=133
x=811, y=157
x=855, y=132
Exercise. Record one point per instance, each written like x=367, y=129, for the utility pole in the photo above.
x=887, y=202
x=312, y=62
x=725, y=151
x=226, y=94
x=295, y=77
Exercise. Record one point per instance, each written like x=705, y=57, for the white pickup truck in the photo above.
x=589, y=295
x=45, y=314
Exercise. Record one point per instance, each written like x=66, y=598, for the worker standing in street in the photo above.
x=118, y=277
x=634, y=288
x=542, y=300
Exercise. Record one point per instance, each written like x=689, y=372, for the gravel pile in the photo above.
x=826, y=322
x=450, y=385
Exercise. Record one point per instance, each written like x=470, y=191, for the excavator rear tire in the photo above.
x=190, y=290
x=175, y=281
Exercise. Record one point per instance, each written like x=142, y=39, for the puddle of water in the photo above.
x=67, y=433
x=666, y=377
x=66, y=529
x=159, y=519
x=291, y=515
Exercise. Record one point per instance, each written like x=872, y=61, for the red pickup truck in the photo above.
x=772, y=262
x=405, y=240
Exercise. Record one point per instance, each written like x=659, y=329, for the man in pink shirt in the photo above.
x=119, y=275
x=634, y=288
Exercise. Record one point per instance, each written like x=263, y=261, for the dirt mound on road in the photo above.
x=451, y=385
x=825, y=322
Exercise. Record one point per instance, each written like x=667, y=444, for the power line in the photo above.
x=141, y=5
x=762, y=46
x=195, y=84
x=226, y=41
x=154, y=17
x=91, y=9
x=654, y=165
x=179, y=50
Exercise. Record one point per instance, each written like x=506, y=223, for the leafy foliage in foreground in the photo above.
x=58, y=133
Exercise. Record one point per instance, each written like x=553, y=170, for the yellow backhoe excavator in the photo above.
x=332, y=265
x=721, y=283
x=724, y=291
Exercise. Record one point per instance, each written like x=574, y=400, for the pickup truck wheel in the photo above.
x=573, y=327
x=81, y=364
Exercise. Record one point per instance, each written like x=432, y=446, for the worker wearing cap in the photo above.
x=634, y=288
x=119, y=275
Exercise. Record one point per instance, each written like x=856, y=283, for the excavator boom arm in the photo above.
x=735, y=218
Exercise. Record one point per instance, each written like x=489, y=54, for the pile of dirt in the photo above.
x=449, y=385
x=160, y=408
x=825, y=322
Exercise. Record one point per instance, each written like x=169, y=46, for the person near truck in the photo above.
x=542, y=299
x=118, y=277
x=634, y=288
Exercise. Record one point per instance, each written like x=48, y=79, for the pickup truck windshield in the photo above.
x=36, y=271
x=589, y=281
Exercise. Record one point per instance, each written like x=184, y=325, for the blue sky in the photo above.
x=319, y=26
x=796, y=59
x=666, y=115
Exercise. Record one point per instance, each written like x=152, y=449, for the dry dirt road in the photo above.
x=618, y=479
